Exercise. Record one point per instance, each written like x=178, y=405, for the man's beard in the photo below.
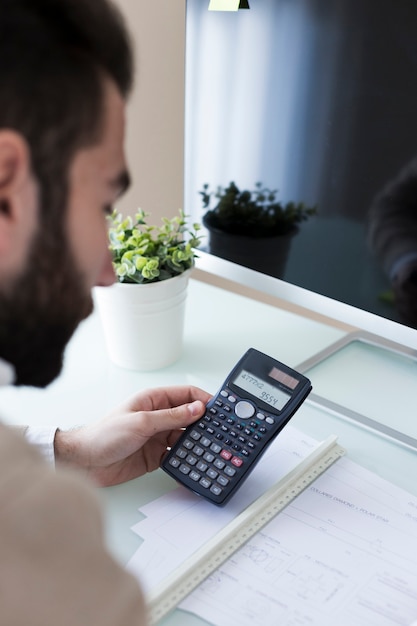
x=40, y=311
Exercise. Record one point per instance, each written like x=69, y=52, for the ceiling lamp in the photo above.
x=228, y=5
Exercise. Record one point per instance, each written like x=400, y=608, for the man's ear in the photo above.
x=14, y=168
x=18, y=196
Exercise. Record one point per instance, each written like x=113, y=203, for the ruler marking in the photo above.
x=226, y=542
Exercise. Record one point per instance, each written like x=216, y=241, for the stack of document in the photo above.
x=343, y=552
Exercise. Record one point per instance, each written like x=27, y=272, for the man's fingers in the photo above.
x=171, y=419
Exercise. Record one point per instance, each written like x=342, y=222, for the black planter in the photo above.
x=265, y=254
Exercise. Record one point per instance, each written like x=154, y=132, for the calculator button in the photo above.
x=198, y=450
x=223, y=481
x=205, y=441
x=260, y=416
x=208, y=457
x=244, y=409
x=215, y=448
x=205, y=482
x=191, y=460
x=216, y=489
x=184, y=469
x=211, y=473
x=188, y=444
x=174, y=462
x=201, y=466
x=195, y=476
x=224, y=393
x=237, y=461
x=231, y=399
x=219, y=464
x=230, y=471
x=226, y=454
x=195, y=435
x=181, y=453
x=269, y=420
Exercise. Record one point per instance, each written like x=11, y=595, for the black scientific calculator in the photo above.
x=217, y=452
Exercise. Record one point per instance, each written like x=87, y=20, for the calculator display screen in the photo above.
x=261, y=389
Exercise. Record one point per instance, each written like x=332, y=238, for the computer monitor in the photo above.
x=315, y=98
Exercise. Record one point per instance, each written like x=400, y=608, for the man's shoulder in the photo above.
x=14, y=447
x=53, y=547
x=26, y=477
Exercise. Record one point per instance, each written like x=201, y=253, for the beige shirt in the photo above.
x=54, y=566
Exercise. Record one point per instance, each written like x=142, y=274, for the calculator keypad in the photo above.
x=217, y=449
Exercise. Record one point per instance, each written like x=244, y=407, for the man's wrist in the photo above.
x=65, y=447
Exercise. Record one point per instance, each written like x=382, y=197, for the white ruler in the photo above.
x=217, y=550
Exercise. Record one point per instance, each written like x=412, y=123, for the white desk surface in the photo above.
x=219, y=327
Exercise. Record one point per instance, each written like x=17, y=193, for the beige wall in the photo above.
x=155, y=115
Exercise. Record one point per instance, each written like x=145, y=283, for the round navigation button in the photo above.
x=244, y=409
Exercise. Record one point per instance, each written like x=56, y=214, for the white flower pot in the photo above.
x=143, y=324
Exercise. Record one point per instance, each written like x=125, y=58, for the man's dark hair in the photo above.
x=53, y=57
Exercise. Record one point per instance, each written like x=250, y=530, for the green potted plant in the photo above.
x=252, y=228
x=145, y=254
x=143, y=312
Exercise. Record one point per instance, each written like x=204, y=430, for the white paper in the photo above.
x=178, y=523
x=344, y=552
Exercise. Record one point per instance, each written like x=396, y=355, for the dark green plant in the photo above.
x=254, y=213
x=148, y=254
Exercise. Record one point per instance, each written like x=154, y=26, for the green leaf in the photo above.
x=144, y=253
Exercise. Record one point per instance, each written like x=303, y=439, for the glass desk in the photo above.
x=220, y=326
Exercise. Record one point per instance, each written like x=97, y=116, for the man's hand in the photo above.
x=133, y=439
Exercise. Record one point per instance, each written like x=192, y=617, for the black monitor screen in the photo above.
x=317, y=99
